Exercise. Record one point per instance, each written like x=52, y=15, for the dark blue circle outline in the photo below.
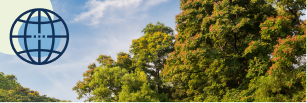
x=59, y=19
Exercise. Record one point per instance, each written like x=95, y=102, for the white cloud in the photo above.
x=97, y=9
x=155, y=2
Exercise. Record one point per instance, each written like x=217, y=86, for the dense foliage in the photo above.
x=239, y=50
x=150, y=53
x=225, y=50
x=11, y=91
x=129, y=78
x=110, y=82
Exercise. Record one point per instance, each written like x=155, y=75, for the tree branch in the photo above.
x=293, y=13
x=235, y=47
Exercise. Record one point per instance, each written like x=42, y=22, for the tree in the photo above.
x=223, y=51
x=8, y=82
x=129, y=78
x=112, y=82
x=137, y=89
x=285, y=35
x=108, y=83
x=12, y=91
x=83, y=88
x=150, y=52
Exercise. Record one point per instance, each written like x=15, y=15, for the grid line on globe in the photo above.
x=39, y=23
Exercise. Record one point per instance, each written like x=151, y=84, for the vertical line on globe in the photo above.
x=39, y=21
x=25, y=34
x=39, y=51
x=53, y=34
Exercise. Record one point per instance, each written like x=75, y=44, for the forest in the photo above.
x=223, y=51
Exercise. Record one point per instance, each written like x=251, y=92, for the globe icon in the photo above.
x=39, y=37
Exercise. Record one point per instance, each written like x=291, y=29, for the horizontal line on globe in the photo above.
x=21, y=36
x=45, y=22
x=36, y=50
x=48, y=36
x=57, y=36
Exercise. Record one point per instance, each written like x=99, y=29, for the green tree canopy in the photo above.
x=224, y=51
x=150, y=53
x=129, y=78
x=111, y=82
x=12, y=91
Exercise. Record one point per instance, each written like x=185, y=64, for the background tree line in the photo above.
x=12, y=91
x=225, y=50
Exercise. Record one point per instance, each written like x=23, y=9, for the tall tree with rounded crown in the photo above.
x=224, y=48
x=150, y=53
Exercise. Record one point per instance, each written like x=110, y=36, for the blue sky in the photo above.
x=96, y=27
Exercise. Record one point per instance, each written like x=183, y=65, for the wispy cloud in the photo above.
x=96, y=9
x=155, y=2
